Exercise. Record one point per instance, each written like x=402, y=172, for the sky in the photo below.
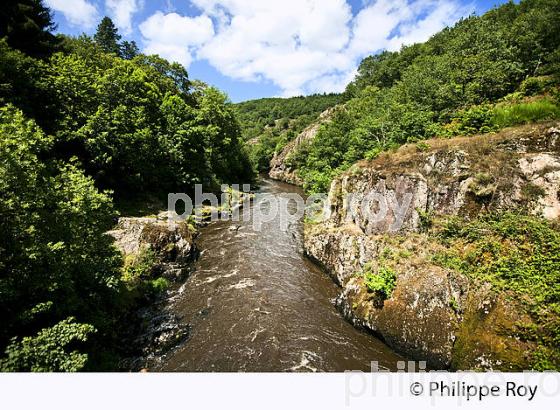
x=268, y=48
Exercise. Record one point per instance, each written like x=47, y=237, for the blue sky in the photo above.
x=262, y=48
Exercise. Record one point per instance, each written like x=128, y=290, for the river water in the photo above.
x=255, y=303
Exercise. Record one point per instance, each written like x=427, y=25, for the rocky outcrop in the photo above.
x=279, y=167
x=463, y=176
x=155, y=329
x=386, y=204
x=172, y=243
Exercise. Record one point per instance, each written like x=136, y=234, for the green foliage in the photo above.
x=49, y=350
x=516, y=254
x=56, y=261
x=22, y=84
x=27, y=26
x=473, y=120
x=159, y=285
x=532, y=86
x=381, y=282
x=422, y=146
x=426, y=219
x=270, y=123
x=368, y=124
x=445, y=87
x=139, y=267
x=107, y=36
x=129, y=50
x=453, y=304
x=257, y=115
x=524, y=113
x=513, y=110
x=140, y=275
x=138, y=125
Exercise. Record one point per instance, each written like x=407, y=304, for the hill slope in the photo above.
x=269, y=124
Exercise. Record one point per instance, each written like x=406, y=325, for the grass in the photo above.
x=525, y=113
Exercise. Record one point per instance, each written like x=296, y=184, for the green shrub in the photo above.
x=383, y=282
x=49, y=350
x=159, y=285
x=426, y=219
x=477, y=119
x=532, y=86
x=139, y=267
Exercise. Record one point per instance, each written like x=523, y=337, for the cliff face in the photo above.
x=434, y=313
x=279, y=169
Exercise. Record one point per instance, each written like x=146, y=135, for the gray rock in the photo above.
x=462, y=177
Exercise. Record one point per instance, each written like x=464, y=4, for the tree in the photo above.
x=108, y=37
x=129, y=50
x=28, y=26
x=22, y=84
x=56, y=263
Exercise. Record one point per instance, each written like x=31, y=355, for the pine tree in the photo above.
x=129, y=50
x=107, y=36
x=27, y=26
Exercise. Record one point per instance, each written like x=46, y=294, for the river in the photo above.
x=254, y=302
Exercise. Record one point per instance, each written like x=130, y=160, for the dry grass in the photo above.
x=408, y=156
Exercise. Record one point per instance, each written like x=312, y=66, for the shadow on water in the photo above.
x=256, y=303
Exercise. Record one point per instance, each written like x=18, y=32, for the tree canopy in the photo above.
x=80, y=127
x=27, y=25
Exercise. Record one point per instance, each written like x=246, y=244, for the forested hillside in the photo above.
x=88, y=124
x=269, y=124
x=485, y=73
x=82, y=121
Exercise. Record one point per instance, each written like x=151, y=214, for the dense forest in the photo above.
x=485, y=73
x=85, y=121
x=269, y=124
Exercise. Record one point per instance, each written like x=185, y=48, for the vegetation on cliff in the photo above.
x=519, y=256
x=471, y=278
x=269, y=124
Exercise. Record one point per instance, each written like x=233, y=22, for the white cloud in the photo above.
x=288, y=42
x=78, y=12
x=173, y=36
x=121, y=11
x=439, y=15
x=301, y=46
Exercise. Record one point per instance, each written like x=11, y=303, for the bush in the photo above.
x=48, y=351
x=532, y=86
x=474, y=120
x=383, y=282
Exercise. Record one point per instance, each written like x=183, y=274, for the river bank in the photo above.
x=254, y=302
